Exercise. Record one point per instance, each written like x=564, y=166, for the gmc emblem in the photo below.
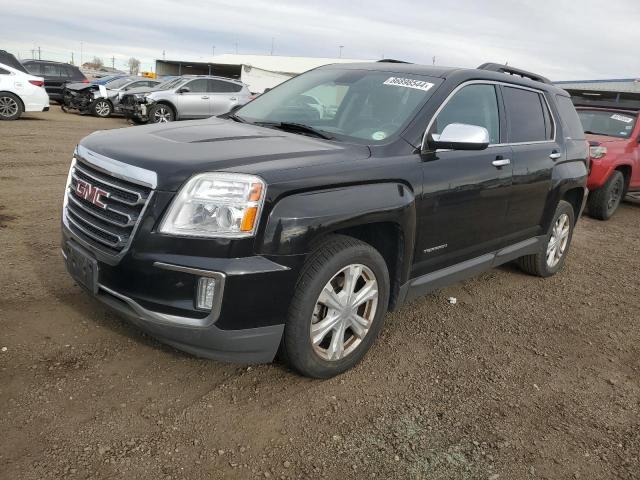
x=91, y=193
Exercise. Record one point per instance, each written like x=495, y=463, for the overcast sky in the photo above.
x=561, y=39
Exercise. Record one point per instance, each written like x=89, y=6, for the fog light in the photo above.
x=206, y=293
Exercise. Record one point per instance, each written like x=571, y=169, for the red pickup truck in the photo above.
x=613, y=131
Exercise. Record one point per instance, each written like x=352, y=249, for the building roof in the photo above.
x=272, y=63
x=623, y=85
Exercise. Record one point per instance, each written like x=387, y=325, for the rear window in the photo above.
x=611, y=123
x=53, y=70
x=33, y=68
x=570, y=118
x=529, y=118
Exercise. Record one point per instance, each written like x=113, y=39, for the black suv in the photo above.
x=56, y=75
x=293, y=227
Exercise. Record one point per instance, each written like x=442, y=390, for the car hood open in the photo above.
x=176, y=151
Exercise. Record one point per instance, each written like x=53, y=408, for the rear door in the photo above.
x=55, y=77
x=224, y=96
x=532, y=137
x=196, y=102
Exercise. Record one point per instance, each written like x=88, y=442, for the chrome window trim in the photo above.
x=494, y=82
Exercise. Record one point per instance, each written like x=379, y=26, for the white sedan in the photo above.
x=20, y=92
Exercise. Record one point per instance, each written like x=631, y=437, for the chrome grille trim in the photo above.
x=109, y=230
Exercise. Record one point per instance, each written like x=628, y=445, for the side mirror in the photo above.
x=184, y=90
x=460, y=136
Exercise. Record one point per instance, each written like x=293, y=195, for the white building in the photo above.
x=257, y=71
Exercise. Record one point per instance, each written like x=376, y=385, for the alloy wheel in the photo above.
x=344, y=312
x=162, y=115
x=615, y=194
x=102, y=109
x=559, y=239
x=8, y=107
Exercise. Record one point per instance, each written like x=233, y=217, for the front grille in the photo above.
x=110, y=228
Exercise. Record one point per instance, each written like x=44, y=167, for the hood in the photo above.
x=604, y=138
x=81, y=86
x=176, y=151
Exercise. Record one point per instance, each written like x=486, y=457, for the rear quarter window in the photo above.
x=570, y=120
x=220, y=86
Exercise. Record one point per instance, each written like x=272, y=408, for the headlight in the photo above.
x=216, y=205
x=597, y=151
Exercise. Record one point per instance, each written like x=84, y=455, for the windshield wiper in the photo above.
x=296, y=127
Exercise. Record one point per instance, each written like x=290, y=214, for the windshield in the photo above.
x=609, y=123
x=174, y=82
x=359, y=105
x=118, y=82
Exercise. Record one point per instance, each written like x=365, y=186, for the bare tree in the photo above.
x=97, y=63
x=134, y=66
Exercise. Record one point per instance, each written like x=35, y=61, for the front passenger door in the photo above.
x=195, y=102
x=465, y=194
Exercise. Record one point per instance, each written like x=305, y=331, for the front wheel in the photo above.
x=338, y=308
x=10, y=106
x=102, y=108
x=161, y=113
x=552, y=255
x=603, y=202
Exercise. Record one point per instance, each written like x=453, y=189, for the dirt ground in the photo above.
x=523, y=378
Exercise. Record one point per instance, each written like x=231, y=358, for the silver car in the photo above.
x=186, y=97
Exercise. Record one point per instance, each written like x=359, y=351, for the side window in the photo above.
x=570, y=118
x=198, y=86
x=220, y=86
x=3, y=71
x=33, y=68
x=475, y=104
x=51, y=70
x=526, y=112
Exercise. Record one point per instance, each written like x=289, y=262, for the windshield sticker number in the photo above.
x=622, y=118
x=408, y=83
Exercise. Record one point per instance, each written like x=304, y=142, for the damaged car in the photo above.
x=187, y=97
x=103, y=100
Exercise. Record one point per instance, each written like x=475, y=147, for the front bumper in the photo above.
x=157, y=293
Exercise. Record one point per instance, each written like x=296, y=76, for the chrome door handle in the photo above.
x=204, y=97
x=555, y=155
x=501, y=162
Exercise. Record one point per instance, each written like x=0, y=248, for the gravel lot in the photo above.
x=523, y=378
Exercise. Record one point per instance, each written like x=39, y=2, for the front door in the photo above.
x=461, y=213
x=196, y=102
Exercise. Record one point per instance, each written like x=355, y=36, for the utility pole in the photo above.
x=273, y=39
x=341, y=47
x=113, y=62
x=39, y=54
x=433, y=60
x=72, y=59
x=33, y=54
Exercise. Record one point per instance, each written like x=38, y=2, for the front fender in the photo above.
x=298, y=220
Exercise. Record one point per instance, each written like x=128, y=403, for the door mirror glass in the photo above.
x=184, y=90
x=460, y=136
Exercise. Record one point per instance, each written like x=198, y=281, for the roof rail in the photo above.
x=496, y=67
x=391, y=60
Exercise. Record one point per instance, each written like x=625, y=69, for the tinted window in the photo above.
x=198, y=86
x=223, y=87
x=52, y=70
x=3, y=71
x=472, y=105
x=570, y=118
x=526, y=116
x=33, y=68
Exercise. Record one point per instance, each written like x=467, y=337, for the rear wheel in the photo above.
x=10, y=106
x=603, y=202
x=102, y=108
x=551, y=257
x=161, y=113
x=338, y=308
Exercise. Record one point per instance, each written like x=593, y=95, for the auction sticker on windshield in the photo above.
x=408, y=83
x=622, y=118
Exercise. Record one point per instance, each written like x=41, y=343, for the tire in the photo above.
x=102, y=108
x=161, y=113
x=603, y=202
x=10, y=106
x=327, y=268
x=539, y=264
